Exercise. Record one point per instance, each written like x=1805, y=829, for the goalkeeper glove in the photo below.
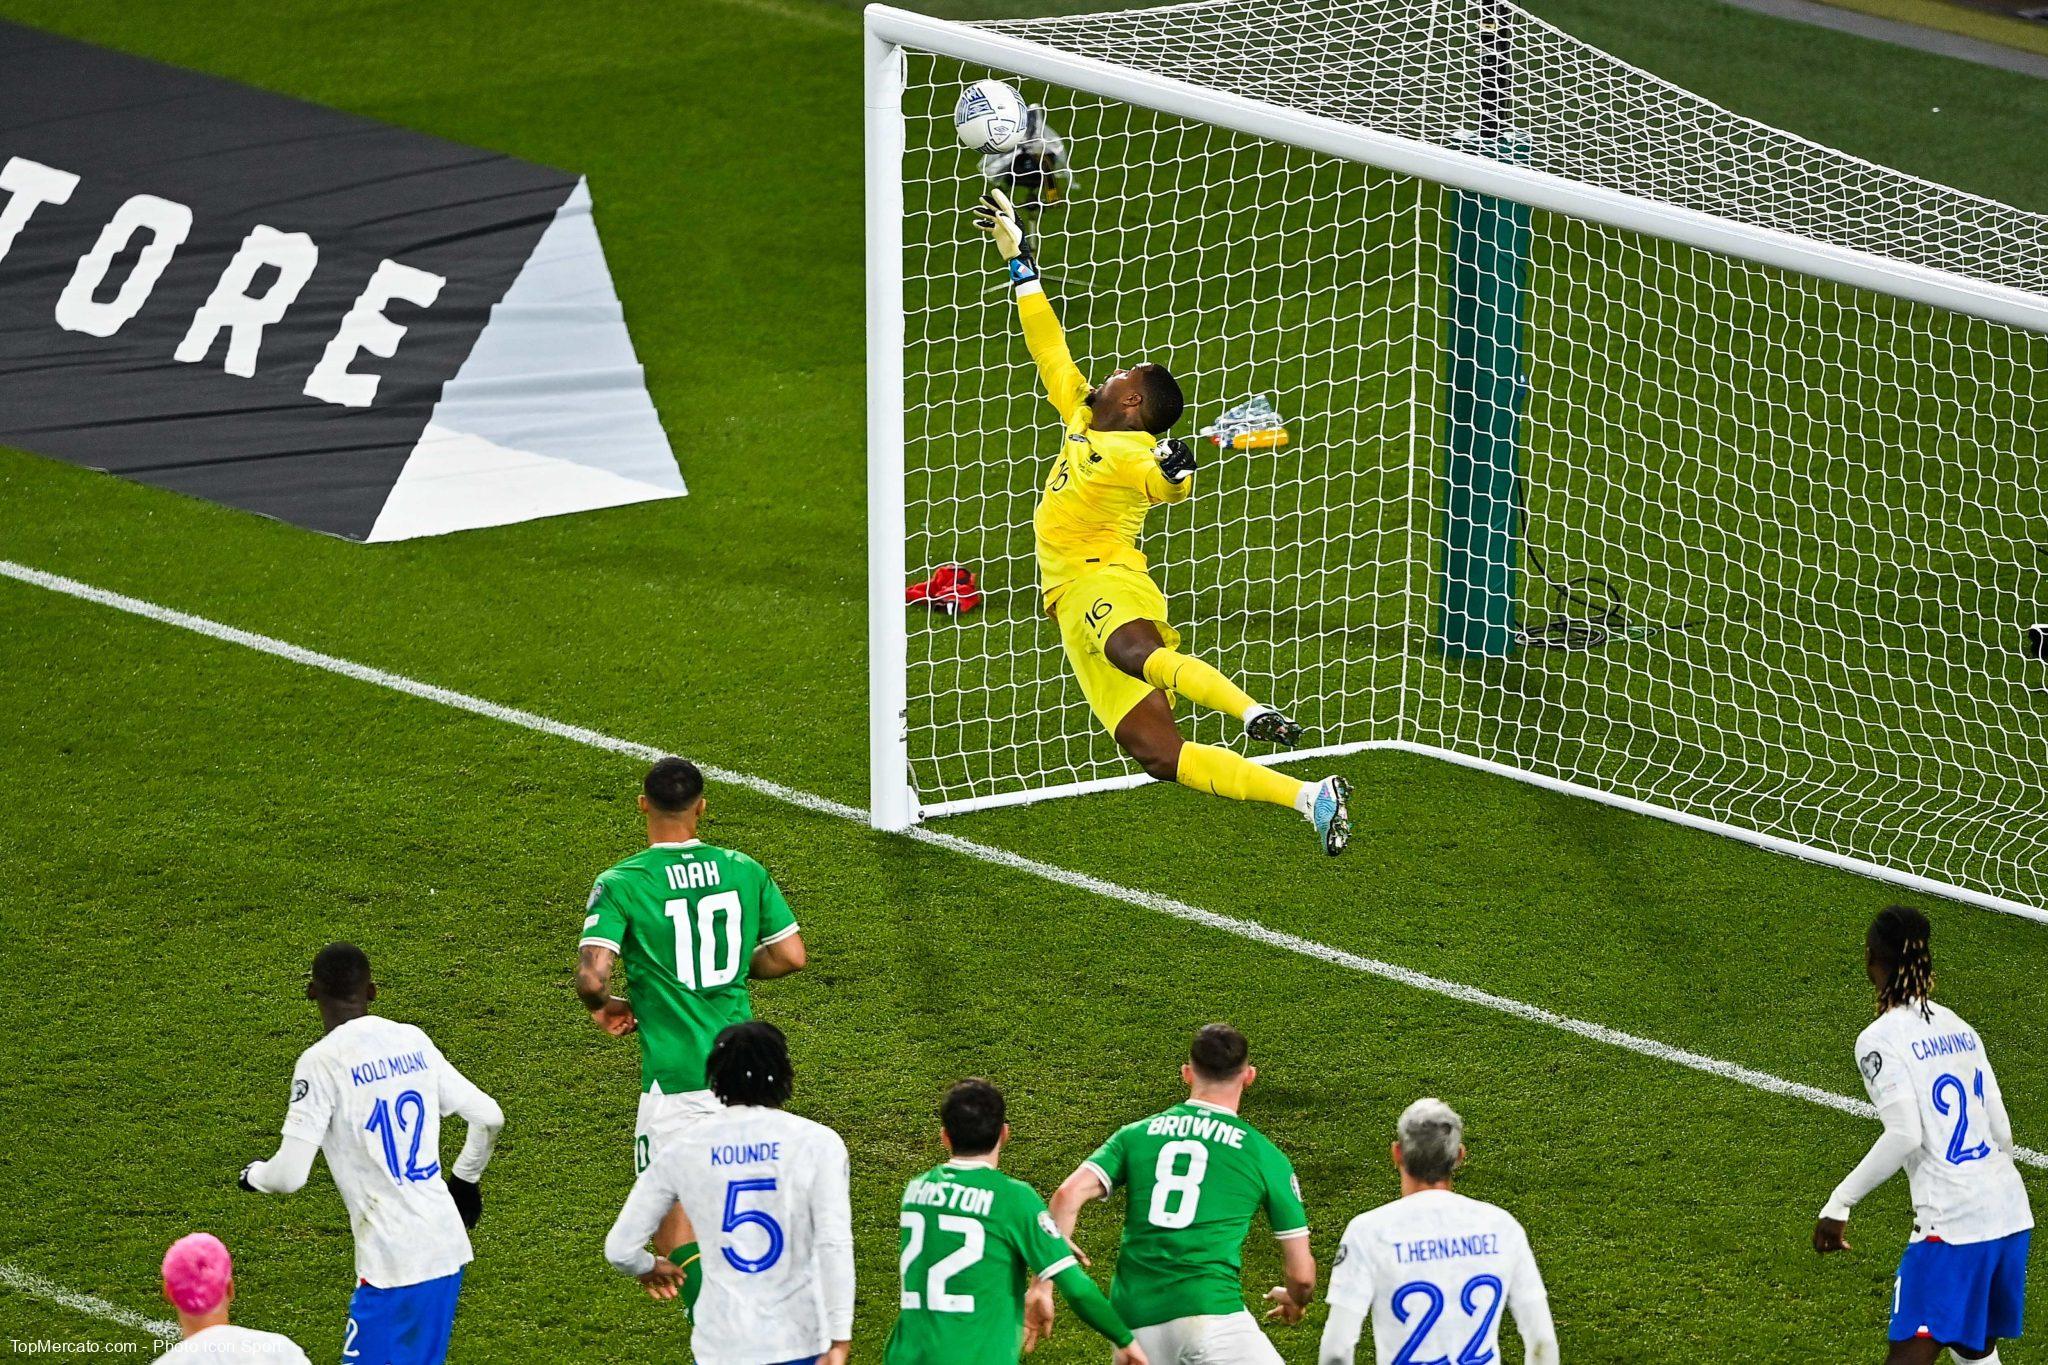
x=996, y=216
x=1176, y=458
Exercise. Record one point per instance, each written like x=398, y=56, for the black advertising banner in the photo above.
x=266, y=303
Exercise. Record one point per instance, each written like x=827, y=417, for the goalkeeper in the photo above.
x=1112, y=467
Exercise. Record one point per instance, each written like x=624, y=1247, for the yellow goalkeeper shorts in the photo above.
x=1089, y=612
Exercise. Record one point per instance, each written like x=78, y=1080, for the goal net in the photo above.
x=1632, y=447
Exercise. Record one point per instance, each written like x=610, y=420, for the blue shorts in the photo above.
x=404, y=1326
x=1963, y=1295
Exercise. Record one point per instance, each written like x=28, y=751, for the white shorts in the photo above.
x=663, y=1117
x=1212, y=1339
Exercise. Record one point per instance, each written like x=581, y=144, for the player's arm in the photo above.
x=1901, y=1137
x=1298, y=1273
x=594, y=963
x=1995, y=1115
x=1055, y=1261
x=625, y=1246
x=1092, y=1308
x=1341, y=1331
x=1884, y=1076
x=832, y=1218
x=597, y=952
x=1169, y=476
x=466, y=1100
x=305, y=1123
x=286, y=1170
x=1350, y=1300
x=1064, y=382
x=1529, y=1306
x=780, y=958
x=1088, y=1182
x=781, y=947
x=1289, y=1221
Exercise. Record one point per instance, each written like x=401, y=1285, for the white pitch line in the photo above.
x=36, y=1287
x=985, y=853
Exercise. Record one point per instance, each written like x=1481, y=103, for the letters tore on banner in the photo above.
x=303, y=313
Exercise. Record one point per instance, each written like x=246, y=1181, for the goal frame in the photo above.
x=894, y=803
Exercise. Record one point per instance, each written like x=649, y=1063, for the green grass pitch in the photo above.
x=188, y=821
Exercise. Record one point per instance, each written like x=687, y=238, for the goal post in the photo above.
x=892, y=802
x=1639, y=451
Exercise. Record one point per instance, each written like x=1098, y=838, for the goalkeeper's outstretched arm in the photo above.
x=1064, y=382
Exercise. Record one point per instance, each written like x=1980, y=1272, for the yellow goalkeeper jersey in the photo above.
x=1092, y=508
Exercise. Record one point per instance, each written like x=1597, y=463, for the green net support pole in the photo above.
x=1484, y=376
x=1482, y=526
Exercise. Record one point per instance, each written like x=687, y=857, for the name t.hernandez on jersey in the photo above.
x=1434, y=1270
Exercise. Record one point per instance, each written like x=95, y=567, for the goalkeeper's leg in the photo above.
x=1149, y=735
x=1137, y=648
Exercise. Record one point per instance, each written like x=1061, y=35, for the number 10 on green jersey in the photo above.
x=685, y=920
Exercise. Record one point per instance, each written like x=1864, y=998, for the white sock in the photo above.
x=1991, y=1359
x=1305, y=800
x=1259, y=708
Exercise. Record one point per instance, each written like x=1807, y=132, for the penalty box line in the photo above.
x=968, y=848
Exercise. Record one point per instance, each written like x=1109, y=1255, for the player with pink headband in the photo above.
x=199, y=1280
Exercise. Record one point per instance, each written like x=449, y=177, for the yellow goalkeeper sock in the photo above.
x=1223, y=773
x=1169, y=670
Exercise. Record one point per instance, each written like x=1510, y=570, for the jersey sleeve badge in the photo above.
x=1870, y=1064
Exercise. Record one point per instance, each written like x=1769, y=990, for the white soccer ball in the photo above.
x=990, y=117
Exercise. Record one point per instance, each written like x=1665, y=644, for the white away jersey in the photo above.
x=1436, y=1270
x=767, y=1194
x=1964, y=1183
x=372, y=1093
x=228, y=1344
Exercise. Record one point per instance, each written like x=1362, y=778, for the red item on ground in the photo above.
x=950, y=589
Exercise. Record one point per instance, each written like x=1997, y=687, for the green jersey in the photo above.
x=1196, y=1175
x=972, y=1240
x=685, y=919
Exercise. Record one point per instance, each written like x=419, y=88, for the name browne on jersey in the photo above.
x=691, y=875
x=369, y=1073
x=964, y=1198
x=1444, y=1248
x=1196, y=1125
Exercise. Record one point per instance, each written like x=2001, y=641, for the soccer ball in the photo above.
x=990, y=117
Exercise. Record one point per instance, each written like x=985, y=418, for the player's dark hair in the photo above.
x=973, y=1115
x=341, y=971
x=1163, y=402
x=1899, y=942
x=1218, y=1053
x=749, y=1064
x=673, y=785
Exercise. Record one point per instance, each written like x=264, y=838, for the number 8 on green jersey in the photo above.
x=1197, y=1173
